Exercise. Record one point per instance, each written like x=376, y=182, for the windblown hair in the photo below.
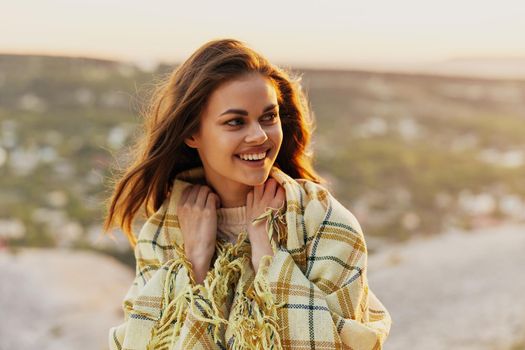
x=173, y=114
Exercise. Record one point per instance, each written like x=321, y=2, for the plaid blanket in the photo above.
x=312, y=294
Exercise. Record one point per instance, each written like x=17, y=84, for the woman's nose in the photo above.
x=256, y=134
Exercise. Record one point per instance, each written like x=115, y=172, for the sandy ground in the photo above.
x=455, y=291
x=58, y=299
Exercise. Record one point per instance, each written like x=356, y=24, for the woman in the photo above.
x=243, y=247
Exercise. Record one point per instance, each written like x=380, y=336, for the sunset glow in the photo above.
x=339, y=33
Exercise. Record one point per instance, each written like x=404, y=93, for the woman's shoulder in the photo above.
x=301, y=189
x=320, y=191
x=321, y=204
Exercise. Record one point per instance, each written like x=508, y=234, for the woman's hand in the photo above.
x=270, y=194
x=197, y=213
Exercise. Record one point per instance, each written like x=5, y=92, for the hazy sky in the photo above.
x=310, y=33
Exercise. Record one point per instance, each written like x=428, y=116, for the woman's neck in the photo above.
x=232, y=194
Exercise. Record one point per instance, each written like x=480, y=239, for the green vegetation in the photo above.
x=393, y=144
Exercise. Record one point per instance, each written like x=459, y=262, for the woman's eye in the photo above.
x=273, y=116
x=268, y=117
x=233, y=120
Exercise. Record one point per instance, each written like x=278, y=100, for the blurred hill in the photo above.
x=512, y=68
x=410, y=155
x=482, y=67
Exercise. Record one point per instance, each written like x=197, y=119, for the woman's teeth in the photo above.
x=257, y=156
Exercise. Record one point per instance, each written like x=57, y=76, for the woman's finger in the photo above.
x=269, y=191
x=193, y=194
x=257, y=192
x=201, y=196
x=184, y=195
x=212, y=201
x=249, y=199
x=280, y=196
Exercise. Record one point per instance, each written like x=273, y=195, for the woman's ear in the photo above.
x=191, y=141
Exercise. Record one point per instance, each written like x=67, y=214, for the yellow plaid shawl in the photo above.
x=312, y=294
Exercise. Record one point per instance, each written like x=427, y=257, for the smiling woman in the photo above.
x=243, y=247
x=239, y=156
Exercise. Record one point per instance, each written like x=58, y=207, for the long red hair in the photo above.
x=173, y=114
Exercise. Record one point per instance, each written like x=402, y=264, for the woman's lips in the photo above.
x=256, y=150
x=253, y=163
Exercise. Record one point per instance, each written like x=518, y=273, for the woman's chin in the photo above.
x=255, y=178
x=253, y=174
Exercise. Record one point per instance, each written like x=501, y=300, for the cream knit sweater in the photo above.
x=231, y=221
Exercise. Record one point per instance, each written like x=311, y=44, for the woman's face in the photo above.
x=241, y=119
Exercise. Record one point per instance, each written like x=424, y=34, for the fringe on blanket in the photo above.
x=254, y=315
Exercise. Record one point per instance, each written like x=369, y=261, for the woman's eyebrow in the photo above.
x=244, y=112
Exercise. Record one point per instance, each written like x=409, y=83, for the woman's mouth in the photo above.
x=253, y=160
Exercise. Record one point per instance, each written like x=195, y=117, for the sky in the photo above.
x=307, y=33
